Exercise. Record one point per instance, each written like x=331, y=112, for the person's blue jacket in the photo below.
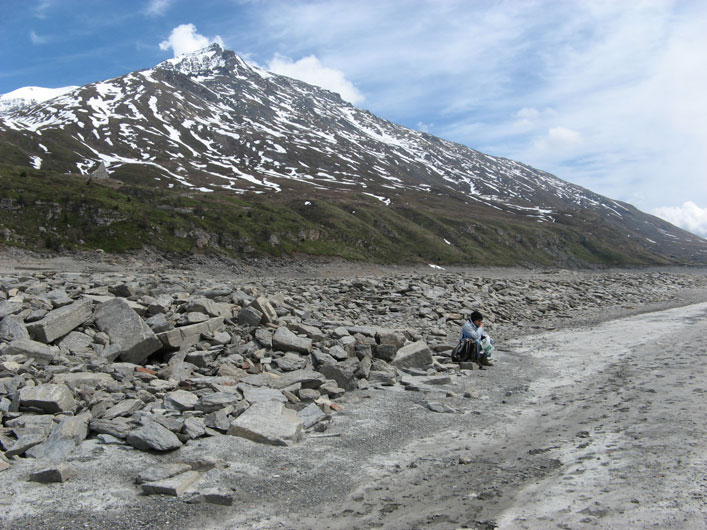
x=473, y=332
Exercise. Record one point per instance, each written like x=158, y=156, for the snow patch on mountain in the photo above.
x=29, y=95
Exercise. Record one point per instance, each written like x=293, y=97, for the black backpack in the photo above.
x=466, y=351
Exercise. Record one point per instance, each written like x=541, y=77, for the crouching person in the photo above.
x=473, y=330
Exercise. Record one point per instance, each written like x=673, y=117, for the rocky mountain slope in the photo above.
x=209, y=123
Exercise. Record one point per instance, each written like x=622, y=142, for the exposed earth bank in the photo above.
x=592, y=418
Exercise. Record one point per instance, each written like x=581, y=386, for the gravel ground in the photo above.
x=588, y=424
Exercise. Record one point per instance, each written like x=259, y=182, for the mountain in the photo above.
x=29, y=95
x=209, y=123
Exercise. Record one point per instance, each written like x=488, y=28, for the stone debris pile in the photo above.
x=156, y=361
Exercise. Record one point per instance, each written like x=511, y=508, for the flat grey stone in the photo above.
x=180, y=400
x=284, y=340
x=153, y=436
x=268, y=422
x=48, y=397
x=39, y=351
x=162, y=472
x=59, y=473
x=61, y=321
x=187, y=335
x=95, y=380
x=173, y=486
x=311, y=415
x=254, y=394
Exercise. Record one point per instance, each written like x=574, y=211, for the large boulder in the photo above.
x=135, y=339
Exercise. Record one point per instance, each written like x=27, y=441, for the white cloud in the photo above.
x=558, y=142
x=157, y=7
x=37, y=39
x=310, y=70
x=688, y=216
x=185, y=39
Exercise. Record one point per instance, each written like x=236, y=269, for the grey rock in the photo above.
x=284, y=340
x=61, y=321
x=35, y=350
x=344, y=373
x=12, y=327
x=59, y=473
x=180, y=400
x=174, y=486
x=290, y=361
x=253, y=394
x=162, y=472
x=311, y=415
x=188, y=335
x=118, y=427
x=77, y=343
x=268, y=422
x=415, y=355
x=126, y=328
x=25, y=441
x=153, y=436
x=263, y=305
x=49, y=397
x=249, y=316
x=63, y=439
x=218, y=400
x=194, y=428
x=9, y=308
x=93, y=380
x=124, y=408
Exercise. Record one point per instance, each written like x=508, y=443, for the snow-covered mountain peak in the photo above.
x=210, y=59
x=30, y=95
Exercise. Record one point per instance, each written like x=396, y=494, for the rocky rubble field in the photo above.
x=157, y=361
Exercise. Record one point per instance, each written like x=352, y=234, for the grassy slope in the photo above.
x=44, y=210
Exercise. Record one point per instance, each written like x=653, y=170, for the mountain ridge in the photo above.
x=208, y=122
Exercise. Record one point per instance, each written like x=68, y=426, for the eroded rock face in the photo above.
x=156, y=361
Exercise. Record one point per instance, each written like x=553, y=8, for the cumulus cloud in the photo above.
x=559, y=141
x=157, y=7
x=310, y=70
x=185, y=39
x=688, y=216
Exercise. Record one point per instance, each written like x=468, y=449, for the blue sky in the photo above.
x=609, y=95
